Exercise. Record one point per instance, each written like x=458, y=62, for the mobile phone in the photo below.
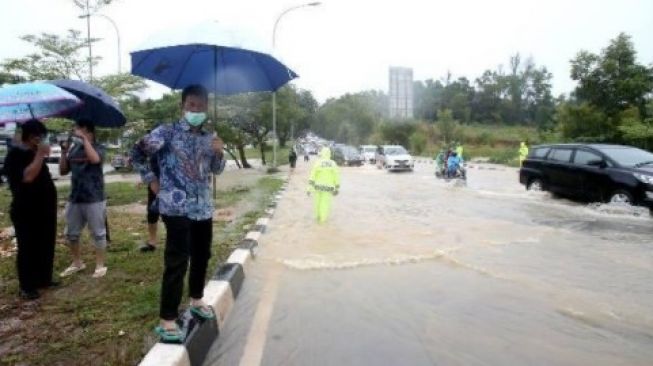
x=72, y=139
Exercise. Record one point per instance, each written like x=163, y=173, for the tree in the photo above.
x=457, y=96
x=56, y=57
x=350, y=118
x=487, y=100
x=93, y=5
x=244, y=122
x=398, y=133
x=612, y=81
x=9, y=78
x=448, y=126
x=520, y=96
x=611, y=101
x=584, y=123
x=427, y=99
x=122, y=85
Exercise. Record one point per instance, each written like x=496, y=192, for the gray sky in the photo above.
x=347, y=45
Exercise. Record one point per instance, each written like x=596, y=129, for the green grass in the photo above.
x=255, y=153
x=497, y=135
x=497, y=155
x=497, y=143
x=109, y=321
x=5, y=200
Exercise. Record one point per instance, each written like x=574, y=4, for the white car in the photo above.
x=368, y=153
x=395, y=158
x=52, y=161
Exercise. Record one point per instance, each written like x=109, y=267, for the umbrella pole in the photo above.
x=215, y=115
x=31, y=112
x=215, y=109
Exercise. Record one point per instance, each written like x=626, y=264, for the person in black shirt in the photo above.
x=33, y=209
x=152, y=204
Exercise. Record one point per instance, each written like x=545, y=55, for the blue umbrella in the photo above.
x=21, y=102
x=98, y=107
x=224, y=60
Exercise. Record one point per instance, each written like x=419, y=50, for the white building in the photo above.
x=400, y=93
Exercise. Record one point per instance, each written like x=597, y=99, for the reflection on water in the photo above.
x=418, y=271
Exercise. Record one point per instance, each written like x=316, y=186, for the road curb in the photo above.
x=220, y=293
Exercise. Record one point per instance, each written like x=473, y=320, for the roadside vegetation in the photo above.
x=110, y=321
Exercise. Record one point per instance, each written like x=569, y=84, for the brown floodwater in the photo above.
x=412, y=270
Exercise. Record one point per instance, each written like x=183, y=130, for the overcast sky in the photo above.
x=347, y=45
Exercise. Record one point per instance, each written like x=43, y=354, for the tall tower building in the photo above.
x=401, y=92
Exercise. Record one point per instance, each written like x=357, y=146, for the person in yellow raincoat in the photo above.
x=459, y=150
x=323, y=183
x=523, y=153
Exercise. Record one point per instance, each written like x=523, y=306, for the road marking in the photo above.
x=257, y=337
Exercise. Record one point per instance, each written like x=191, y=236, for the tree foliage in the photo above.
x=55, y=57
x=612, y=102
x=520, y=96
x=352, y=118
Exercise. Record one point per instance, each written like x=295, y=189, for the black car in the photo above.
x=594, y=172
x=347, y=155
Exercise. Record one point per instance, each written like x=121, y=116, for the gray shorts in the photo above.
x=93, y=214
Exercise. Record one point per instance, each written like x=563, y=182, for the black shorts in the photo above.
x=152, y=211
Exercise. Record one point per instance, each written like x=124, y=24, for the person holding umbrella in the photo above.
x=188, y=156
x=33, y=209
x=34, y=198
x=83, y=156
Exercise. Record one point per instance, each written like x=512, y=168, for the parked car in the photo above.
x=368, y=153
x=594, y=172
x=394, y=158
x=347, y=155
x=52, y=161
x=121, y=162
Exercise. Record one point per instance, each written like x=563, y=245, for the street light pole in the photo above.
x=115, y=27
x=274, y=93
x=88, y=40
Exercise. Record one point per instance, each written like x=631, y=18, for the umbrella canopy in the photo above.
x=210, y=55
x=98, y=107
x=21, y=102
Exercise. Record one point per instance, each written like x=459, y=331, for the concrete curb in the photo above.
x=220, y=293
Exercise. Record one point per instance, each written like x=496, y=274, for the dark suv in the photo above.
x=347, y=155
x=594, y=172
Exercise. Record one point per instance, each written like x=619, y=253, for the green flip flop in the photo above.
x=204, y=312
x=169, y=335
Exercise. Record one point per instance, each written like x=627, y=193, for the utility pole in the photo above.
x=88, y=40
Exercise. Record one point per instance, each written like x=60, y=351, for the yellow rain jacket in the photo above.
x=324, y=182
x=459, y=151
x=523, y=152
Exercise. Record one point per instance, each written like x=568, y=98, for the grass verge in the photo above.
x=107, y=321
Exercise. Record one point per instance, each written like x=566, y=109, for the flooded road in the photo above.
x=411, y=270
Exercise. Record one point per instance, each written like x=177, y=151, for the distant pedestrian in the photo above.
x=523, y=152
x=82, y=156
x=292, y=158
x=324, y=183
x=33, y=209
